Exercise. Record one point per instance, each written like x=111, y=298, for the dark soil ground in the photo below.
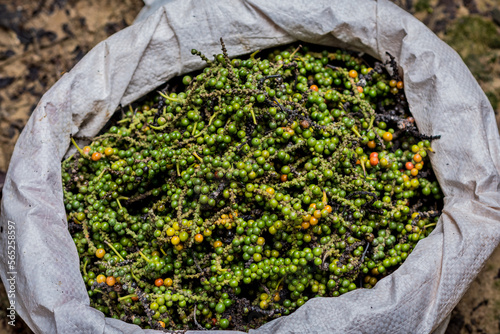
x=40, y=40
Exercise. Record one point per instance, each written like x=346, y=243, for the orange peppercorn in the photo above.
x=101, y=279
x=387, y=136
x=417, y=157
x=86, y=149
x=96, y=156
x=198, y=238
x=158, y=282
x=100, y=253
x=312, y=205
x=317, y=214
x=162, y=324
x=109, y=151
x=409, y=165
x=305, y=225
x=414, y=172
x=134, y=298
x=393, y=83
x=175, y=240
x=168, y=282
x=314, y=88
x=371, y=144
x=374, y=161
x=313, y=221
x=283, y=178
x=353, y=73
x=110, y=281
x=217, y=244
x=400, y=85
x=360, y=89
x=328, y=208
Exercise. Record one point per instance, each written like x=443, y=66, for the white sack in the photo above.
x=443, y=96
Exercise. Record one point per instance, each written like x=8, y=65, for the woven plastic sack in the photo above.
x=443, y=96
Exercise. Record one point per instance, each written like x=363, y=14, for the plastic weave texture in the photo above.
x=443, y=96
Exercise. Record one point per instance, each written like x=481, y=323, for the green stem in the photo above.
x=178, y=171
x=355, y=131
x=252, y=56
x=170, y=98
x=85, y=268
x=212, y=118
x=362, y=163
x=199, y=134
x=100, y=175
x=253, y=116
x=132, y=273
x=114, y=250
x=372, y=119
x=78, y=148
x=198, y=157
x=430, y=225
x=65, y=161
x=144, y=257
x=127, y=296
x=159, y=127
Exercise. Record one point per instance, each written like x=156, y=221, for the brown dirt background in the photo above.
x=39, y=41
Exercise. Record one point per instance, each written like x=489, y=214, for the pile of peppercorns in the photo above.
x=258, y=184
